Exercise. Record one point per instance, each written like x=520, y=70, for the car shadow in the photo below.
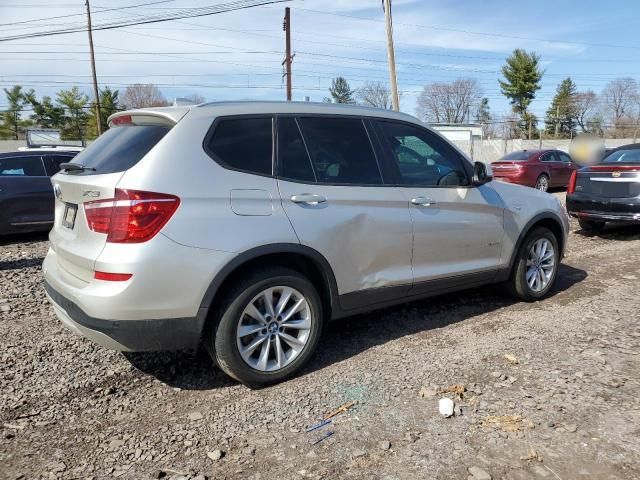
x=615, y=231
x=15, y=238
x=350, y=336
x=21, y=263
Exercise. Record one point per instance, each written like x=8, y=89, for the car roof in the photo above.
x=630, y=146
x=218, y=109
x=34, y=152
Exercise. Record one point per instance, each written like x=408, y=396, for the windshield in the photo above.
x=631, y=155
x=517, y=156
x=120, y=148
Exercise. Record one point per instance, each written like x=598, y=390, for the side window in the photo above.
x=293, y=160
x=564, y=157
x=243, y=144
x=22, y=166
x=52, y=162
x=547, y=157
x=422, y=158
x=340, y=151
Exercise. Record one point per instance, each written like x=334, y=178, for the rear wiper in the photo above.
x=75, y=167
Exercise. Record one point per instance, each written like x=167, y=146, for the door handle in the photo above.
x=422, y=201
x=308, y=199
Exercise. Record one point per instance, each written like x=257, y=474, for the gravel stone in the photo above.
x=105, y=414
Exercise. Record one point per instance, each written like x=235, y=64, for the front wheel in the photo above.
x=268, y=327
x=536, y=265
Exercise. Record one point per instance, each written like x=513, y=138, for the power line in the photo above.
x=186, y=13
x=82, y=14
x=471, y=32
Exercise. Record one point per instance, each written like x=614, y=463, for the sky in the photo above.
x=238, y=55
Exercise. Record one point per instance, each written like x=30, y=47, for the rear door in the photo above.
x=567, y=168
x=333, y=192
x=555, y=168
x=457, y=228
x=26, y=193
x=113, y=153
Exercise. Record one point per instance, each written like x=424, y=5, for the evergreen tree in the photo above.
x=483, y=115
x=563, y=111
x=11, y=122
x=522, y=77
x=108, y=106
x=76, y=117
x=46, y=114
x=340, y=91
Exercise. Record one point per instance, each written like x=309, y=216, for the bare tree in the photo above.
x=141, y=95
x=586, y=109
x=621, y=99
x=195, y=98
x=374, y=94
x=449, y=102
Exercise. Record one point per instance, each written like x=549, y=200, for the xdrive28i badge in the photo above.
x=91, y=193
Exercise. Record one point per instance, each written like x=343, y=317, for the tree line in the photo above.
x=71, y=111
x=614, y=111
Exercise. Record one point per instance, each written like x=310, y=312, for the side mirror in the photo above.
x=482, y=174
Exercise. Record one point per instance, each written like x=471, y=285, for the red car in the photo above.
x=541, y=169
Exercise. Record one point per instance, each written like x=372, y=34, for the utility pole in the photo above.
x=530, y=126
x=286, y=26
x=557, y=120
x=93, y=71
x=391, y=56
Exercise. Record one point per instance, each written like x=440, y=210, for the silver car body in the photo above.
x=376, y=244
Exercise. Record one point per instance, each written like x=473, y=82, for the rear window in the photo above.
x=631, y=155
x=340, y=151
x=120, y=148
x=517, y=156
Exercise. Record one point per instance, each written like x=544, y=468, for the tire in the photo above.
x=223, y=340
x=590, y=226
x=519, y=281
x=542, y=183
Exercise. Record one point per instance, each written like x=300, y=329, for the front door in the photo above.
x=27, y=192
x=457, y=228
x=333, y=192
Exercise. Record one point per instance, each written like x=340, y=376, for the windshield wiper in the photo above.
x=75, y=167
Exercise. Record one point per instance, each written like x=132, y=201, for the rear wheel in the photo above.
x=590, y=225
x=268, y=327
x=536, y=265
x=542, y=183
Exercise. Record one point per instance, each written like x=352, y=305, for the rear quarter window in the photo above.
x=244, y=144
x=120, y=148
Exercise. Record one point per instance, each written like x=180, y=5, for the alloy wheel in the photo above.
x=541, y=263
x=543, y=183
x=274, y=328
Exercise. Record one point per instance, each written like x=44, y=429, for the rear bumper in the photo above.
x=127, y=335
x=604, y=209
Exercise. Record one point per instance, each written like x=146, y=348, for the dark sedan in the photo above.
x=608, y=191
x=26, y=193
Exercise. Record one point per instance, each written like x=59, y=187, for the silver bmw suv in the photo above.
x=246, y=227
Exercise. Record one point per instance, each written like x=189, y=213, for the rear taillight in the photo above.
x=132, y=216
x=572, y=182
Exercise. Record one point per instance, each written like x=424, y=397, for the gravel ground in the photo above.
x=544, y=390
